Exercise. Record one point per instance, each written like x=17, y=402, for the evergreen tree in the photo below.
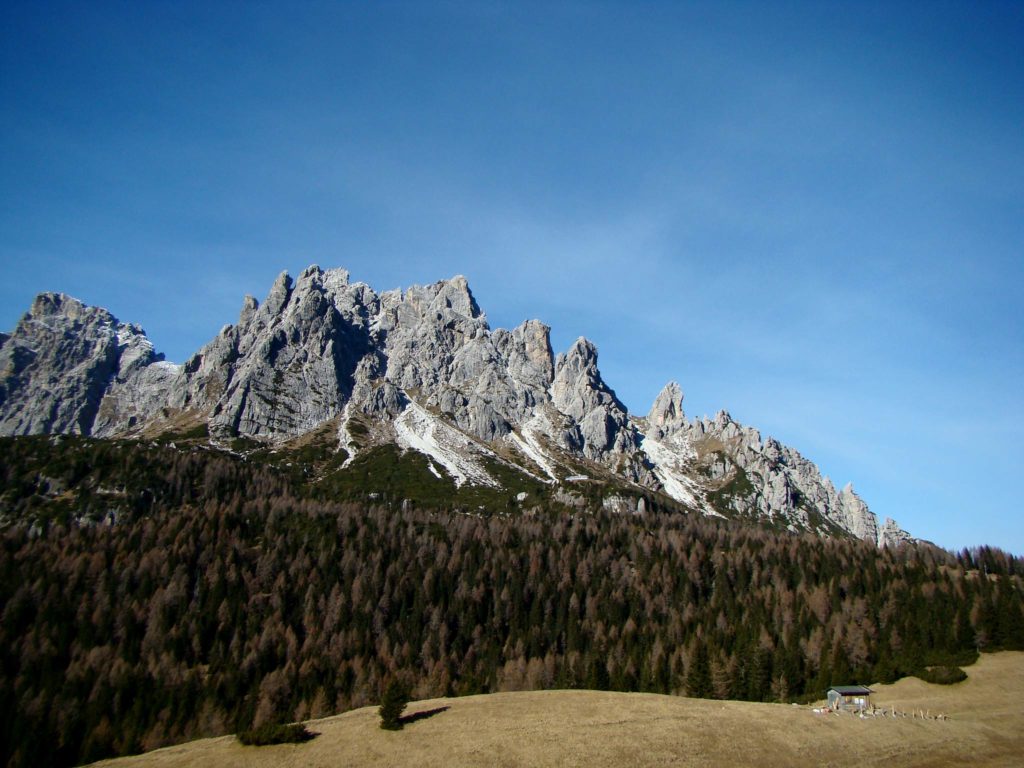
x=698, y=673
x=239, y=590
x=396, y=696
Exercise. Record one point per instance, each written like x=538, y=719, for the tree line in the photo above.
x=201, y=595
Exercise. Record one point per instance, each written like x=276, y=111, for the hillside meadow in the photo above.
x=985, y=727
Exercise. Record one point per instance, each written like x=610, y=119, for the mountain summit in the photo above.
x=420, y=370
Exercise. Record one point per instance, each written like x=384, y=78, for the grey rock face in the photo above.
x=70, y=368
x=137, y=391
x=855, y=515
x=891, y=535
x=579, y=392
x=666, y=416
x=426, y=369
x=438, y=346
x=423, y=331
x=778, y=482
x=289, y=365
x=751, y=476
x=323, y=344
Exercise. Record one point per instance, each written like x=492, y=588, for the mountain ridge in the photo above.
x=422, y=367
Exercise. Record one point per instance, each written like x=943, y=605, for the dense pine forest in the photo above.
x=151, y=594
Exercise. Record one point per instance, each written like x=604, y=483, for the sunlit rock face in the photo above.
x=425, y=368
x=757, y=477
x=71, y=368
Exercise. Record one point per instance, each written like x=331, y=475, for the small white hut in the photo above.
x=851, y=698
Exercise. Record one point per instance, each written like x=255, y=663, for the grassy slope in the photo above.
x=595, y=729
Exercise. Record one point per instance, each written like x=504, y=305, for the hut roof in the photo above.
x=851, y=690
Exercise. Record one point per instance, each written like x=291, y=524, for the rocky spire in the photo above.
x=320, y=347
x=860, y=520
x=578, y=391
x=891, y=535
x=289, y=364
x=666, y=415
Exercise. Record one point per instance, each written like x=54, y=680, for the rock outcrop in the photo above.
x=666, y=416
x=752, y=476
x=288, y=365
x=601, y=423
x=425, y=369
x=71, y=368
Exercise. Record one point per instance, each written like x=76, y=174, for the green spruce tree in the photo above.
x=698, y=675
x=396, y=696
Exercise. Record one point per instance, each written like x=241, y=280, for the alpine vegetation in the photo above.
x=416, y=370
x=347, y=489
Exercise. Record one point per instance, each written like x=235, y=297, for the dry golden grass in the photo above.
x=596, y=729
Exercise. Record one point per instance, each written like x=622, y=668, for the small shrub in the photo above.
x=396, y=696
x=275, y=733
x=943, y=675
x=961, y=658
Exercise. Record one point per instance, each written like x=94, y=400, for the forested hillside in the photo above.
x=151, y=594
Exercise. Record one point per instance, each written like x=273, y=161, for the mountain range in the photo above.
x=415, y=371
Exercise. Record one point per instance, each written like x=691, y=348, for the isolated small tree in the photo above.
x=396, y=696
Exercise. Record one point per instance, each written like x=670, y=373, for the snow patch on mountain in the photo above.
x=672, y=461
x=530, y=447
x=321, y=348
x=345, y=436
x=419, y=430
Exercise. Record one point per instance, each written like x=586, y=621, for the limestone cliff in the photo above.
x=420, y=368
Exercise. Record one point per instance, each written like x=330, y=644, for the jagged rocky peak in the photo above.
x=863, y=523
x=320, y=344
x=666, y=416
x=455, y=295
x=449, y=302
x=579, y=392
x=860, y=520
x=60, y=362
x=58, y=313
x=426, y=367
x=758, y=476
x=279, y=294
x=891, y=535
x=529, y=353
x=53, y=304
x=578, y=380
x=249, y=307
x=438, y=345
x=289, y=365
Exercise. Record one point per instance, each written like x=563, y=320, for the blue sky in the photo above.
x=811, y=215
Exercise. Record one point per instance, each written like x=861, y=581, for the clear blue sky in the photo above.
x=811, y=215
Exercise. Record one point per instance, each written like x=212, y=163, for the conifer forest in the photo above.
x=151, y=594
